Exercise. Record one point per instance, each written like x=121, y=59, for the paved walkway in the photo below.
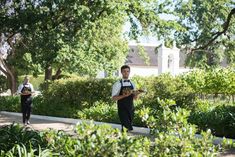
x=67, y=124
x=36, y=124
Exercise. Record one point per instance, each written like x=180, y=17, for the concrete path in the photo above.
x=67, y=124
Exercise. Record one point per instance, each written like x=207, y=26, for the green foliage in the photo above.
x=201, y=21
x=74, y=36
x=220, y=120
x=3, y=83
x=14, y=134
x=79, y=93
x=10, y=103
x=99, y=112
x=166, y=86
x=102, y=140
x=212, y=81
x=21, y=150
x=174, y=136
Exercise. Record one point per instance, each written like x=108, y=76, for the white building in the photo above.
x=161, y=60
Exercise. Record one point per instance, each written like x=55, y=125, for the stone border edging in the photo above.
x=140, y=130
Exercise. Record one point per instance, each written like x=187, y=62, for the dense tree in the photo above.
x=206, y=38
x=72, y=35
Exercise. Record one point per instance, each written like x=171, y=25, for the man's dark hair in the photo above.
x=125, y=67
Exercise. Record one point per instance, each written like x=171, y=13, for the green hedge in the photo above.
x=3, y=83
x=212, y=81
x=10, y=103
x=78, y=93
x=91, y=98
x=166, y=86
x=220, y=119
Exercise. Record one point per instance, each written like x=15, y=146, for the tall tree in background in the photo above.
x=71, y=35
x=206, y=38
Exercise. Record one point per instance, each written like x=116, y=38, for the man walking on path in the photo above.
x=123, y=93
x=26, y=90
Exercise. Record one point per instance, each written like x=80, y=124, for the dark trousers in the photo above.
x=126, y=115
x=26, y=108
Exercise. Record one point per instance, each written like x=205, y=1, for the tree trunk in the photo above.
x=48, y=73
x=12, y=83
x=57, y=74
x=11, y=76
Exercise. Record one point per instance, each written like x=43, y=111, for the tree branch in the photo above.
x=57, y=74
x=1, y=68
x=217, y=34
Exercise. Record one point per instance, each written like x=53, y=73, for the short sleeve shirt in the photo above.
x=117, y=87
x=28, y=85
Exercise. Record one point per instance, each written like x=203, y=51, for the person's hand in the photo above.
x=27, y=93
x=126, y=94
x=137, y=92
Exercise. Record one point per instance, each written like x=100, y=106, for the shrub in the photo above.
x=10, y=103
x=212, y=81
x=100, y=112
x=166, y=86
x=78, y=93
x=3, y=83
x=219, y=119
x=173, y=135
x=15, y=134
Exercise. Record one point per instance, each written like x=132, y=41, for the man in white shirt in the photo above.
x=26, y=90
x=122, y=92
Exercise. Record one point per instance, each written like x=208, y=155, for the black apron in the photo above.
x=26, y=102
x=126, y=108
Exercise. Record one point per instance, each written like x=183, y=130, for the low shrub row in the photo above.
x=220, y=120
x=174, y=137
x=212, y=81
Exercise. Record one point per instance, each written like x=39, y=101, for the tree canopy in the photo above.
x=87, y=36
x=208, y=35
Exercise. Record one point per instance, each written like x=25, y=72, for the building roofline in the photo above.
x=144, y=44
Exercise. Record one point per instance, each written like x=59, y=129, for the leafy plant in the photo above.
x=174, y=136
x=15, y=134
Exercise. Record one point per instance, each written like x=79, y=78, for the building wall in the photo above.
x=150, y=71
x=144, y=70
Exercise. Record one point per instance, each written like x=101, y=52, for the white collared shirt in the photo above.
x=28, y=85
x=117, y=87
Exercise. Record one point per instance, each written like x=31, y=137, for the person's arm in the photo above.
x=118, y=97
x=116, y=90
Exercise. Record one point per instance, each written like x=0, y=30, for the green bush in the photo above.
x=10, y=103
x=15, y=134
x=174, y=136
x=42, y=106
x=90, y=140
x=78, y=93
x=3, y=83
x=102, y=140
x=166, y=86
x=100, y=112
x=219, y=119
x=212, y=81
x=21, y=150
